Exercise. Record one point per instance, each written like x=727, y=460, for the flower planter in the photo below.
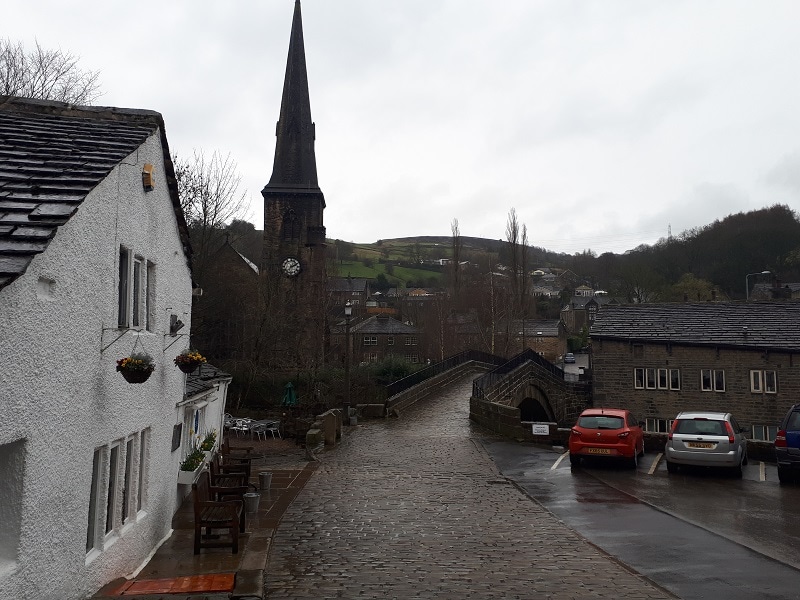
x=135, y=375
x=189, y=477
x=188, y=367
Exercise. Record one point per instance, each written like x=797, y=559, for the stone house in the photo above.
x=381, y=336
x=660, y=359
x=94, y=264
x=353, y=289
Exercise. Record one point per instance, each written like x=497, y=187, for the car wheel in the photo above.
x=744, y=460
x=574, y=460
x=633, y=463
x=784, y=476
x=672, y=467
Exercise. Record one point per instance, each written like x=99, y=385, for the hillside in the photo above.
x=718, y=256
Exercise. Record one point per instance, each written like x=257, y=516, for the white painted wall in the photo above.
x=61, y=397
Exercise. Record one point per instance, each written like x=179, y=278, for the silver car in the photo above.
x=708, y=439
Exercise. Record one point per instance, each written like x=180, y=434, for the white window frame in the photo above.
x=370, y=340
x=662, y=378
x=135, y=291
x=93, y=528
x=675, y=379
x=715, y=380
x=658, y=425
x=115, y=457
x=650, y=378
x=390, y=340
x=763, y=381
x=143, y=470
x=638, y=378
x=763, y=433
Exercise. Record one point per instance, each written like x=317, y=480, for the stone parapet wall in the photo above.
x=399, y=402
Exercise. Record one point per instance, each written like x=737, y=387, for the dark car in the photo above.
x=787, y=445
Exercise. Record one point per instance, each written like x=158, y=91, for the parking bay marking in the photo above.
x=558, y=462
x=654, y=466
x=762, y=471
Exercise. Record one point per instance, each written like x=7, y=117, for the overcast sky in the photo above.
x=603, y=123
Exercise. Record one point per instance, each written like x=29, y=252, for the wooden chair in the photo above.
x=239, y=458
x=214, y=514
x=234, y=478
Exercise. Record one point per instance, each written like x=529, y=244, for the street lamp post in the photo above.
x=348, y=311
x=747, y=283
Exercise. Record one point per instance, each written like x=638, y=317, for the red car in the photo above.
x=606, y=433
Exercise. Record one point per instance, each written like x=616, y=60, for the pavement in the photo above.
x=410, y=507
x=176, y=573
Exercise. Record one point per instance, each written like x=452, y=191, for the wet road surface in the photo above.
x=685, y=555
x=414, y=507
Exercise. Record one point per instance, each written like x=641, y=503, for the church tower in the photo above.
x=294, y=234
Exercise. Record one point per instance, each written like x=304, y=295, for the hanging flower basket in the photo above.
x=135, y=376
x=137, y=367
x=189, y=360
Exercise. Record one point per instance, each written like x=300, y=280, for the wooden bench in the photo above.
x=233, y=477
x=214, y=514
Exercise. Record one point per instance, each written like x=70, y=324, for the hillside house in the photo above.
x=94, y=264
x=660, y=359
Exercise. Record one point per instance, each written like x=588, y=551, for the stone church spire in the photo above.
x=295, y=163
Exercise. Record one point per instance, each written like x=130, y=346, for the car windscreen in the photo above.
x=700, y=427
x=601, y=422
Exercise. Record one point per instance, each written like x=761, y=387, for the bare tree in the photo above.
x=210, y=198
x=457, y=247
x=45, y=74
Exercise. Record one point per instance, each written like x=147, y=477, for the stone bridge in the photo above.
x=508, y=398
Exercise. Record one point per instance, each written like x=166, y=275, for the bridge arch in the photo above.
x=533, y=404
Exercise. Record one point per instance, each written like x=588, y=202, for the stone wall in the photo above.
x=613, y=380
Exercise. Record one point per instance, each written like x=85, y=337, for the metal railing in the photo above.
x=435, y=369
x=488, y=380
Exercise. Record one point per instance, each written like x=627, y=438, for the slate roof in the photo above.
x=767, y=325
x=51, y=156
x=383, y=325
x=347, y=284
x=203, y=380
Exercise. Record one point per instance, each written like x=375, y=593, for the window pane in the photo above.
x=755, y=381
x=150, y=296
x=705, y=380
x=91, y=529
x=638, y=379
x=674, y=379
x=122, y=301
x=770, y=382
x=112, y=488
x=719, y=381
x=126, y=489
x=662, y=379
x=137, y=293
x=651, y=379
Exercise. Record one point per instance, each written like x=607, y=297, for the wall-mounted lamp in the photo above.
x=175, y=325
x=148, y=180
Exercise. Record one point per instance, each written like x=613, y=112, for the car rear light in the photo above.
x=780, y=439
x=623, y=434
x=731, y=436
x=674, y=427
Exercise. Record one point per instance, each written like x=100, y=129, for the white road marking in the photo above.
x=654, y=466
x=558, y=462
x=762, y=472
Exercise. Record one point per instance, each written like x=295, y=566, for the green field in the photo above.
x=399, y=278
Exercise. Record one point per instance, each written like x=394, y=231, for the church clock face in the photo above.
x=291, y=267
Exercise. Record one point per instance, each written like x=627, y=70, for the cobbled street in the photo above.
x=412, y=507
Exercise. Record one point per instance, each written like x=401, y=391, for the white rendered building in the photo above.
x=94, y=264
